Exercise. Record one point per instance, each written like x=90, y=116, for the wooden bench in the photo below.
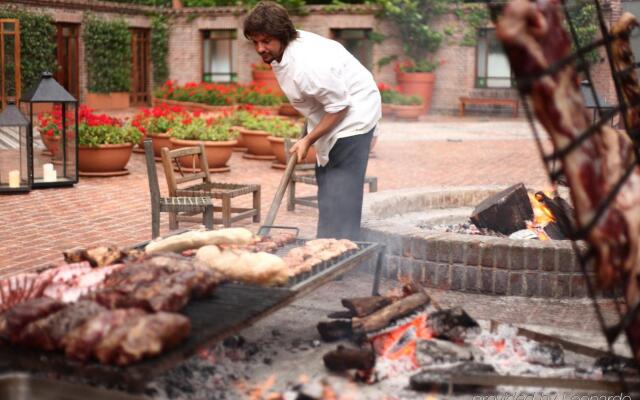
x=513, y=103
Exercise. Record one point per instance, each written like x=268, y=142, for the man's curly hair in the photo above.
x=272, y=19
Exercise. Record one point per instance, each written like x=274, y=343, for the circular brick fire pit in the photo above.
x=470, y=263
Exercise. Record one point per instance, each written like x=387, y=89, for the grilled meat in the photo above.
x=81, y=342
x=18, y=288
x=24, y=313
x=143, y=337
x=98, y=256
x=47, y=333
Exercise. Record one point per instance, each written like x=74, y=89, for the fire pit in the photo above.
x=406, y=221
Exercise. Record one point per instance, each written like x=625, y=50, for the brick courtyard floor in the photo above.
x=439, y=151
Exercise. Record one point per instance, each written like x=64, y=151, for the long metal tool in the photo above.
x=277, y=198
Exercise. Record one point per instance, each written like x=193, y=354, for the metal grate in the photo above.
x=603, y=114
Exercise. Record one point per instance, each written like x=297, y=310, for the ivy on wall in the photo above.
x=160, y=49
x=473, y=16
x=584, y=17
x=37, y=47
x=108, y=55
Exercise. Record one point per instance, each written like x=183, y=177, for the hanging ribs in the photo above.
x=622, y=57
x=535, y=40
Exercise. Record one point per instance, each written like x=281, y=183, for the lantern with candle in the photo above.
x=62, y=168
x=15, y=158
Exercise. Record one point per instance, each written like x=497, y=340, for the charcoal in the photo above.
x=452, y=324
x=547, y=354
x=334, y=330
x=234, y=342
x=434, y=351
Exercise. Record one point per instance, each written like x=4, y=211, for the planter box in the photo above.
x=277, y=147
x=107, y=101
x=160, y=140
x=256, y=142
x=411, y=113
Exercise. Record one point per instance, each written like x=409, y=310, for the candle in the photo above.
x=46, y=168
x=14, y=178
x=50, y=176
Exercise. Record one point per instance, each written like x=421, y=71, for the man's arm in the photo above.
x=326, y=124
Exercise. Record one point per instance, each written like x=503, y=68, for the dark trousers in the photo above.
x=340, y=188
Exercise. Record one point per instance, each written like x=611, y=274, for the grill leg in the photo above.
x=226, y=211
x=375, y=291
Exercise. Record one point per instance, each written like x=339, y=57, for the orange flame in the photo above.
x=401, y=342
x=542, y=216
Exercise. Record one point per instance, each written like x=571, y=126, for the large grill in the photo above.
x=231, y=308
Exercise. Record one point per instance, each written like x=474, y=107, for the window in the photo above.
x=492, y=65
x=219, y=52
x=357, y=42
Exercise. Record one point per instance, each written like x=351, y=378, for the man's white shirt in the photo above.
x=320, y=76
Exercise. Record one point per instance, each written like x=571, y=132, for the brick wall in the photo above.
x=454, y=77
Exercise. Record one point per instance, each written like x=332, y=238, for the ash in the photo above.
x=467, y=228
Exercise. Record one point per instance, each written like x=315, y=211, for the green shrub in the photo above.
x=108, y=55
x=159, y=49
x=37, y=48
x=107, y=134
x=201, y=129
x=282, y=128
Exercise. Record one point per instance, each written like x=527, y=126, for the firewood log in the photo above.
x=363, y=306
x=344, y=358
x=383, y=317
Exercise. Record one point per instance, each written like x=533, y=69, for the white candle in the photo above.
x=46, y=167
x=14, y=178
x=50, y=176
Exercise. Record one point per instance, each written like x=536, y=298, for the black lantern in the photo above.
x=53, y=117
x=15, y=151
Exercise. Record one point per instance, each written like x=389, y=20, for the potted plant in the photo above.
x=215, y=134
x=414, y=20
x=286, y=109
x=279, y=130
x=407, y=107
x=259, y=98
x=105, y=144
x=49, y=125
x=197, y=97
x=387, y=95
x=156, y=123
x=263, y=75
x=252, y=129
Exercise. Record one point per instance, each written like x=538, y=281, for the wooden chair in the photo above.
x=198, y=184
x=172, y=204
x=305, y=173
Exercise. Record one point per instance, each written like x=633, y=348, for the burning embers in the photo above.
x=410, y=334
x=518, y=213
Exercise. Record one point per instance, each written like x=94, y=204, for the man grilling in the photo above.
x=341, y=102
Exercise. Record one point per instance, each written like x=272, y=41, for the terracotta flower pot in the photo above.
x=218, y=153
x=417, y=83
x=104, y=158
x=268, y=79
x=387, y=110
x=277, y=147
x=288, y=110
x=160, y=140
x=407, y=112
x=256, y=142
x=52, y=143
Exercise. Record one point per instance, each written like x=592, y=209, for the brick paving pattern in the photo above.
x=439, y=151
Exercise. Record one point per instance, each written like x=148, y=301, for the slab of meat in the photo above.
x=80, y=284
x=143, y=337
x=47, y=333
x=534, y=39
x=314, y=252
x=623, y=59
x=19, y=288
x=81, y=342
x=97, y=256
x=24, y=313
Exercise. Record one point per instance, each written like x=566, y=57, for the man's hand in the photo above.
x=300, y=148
